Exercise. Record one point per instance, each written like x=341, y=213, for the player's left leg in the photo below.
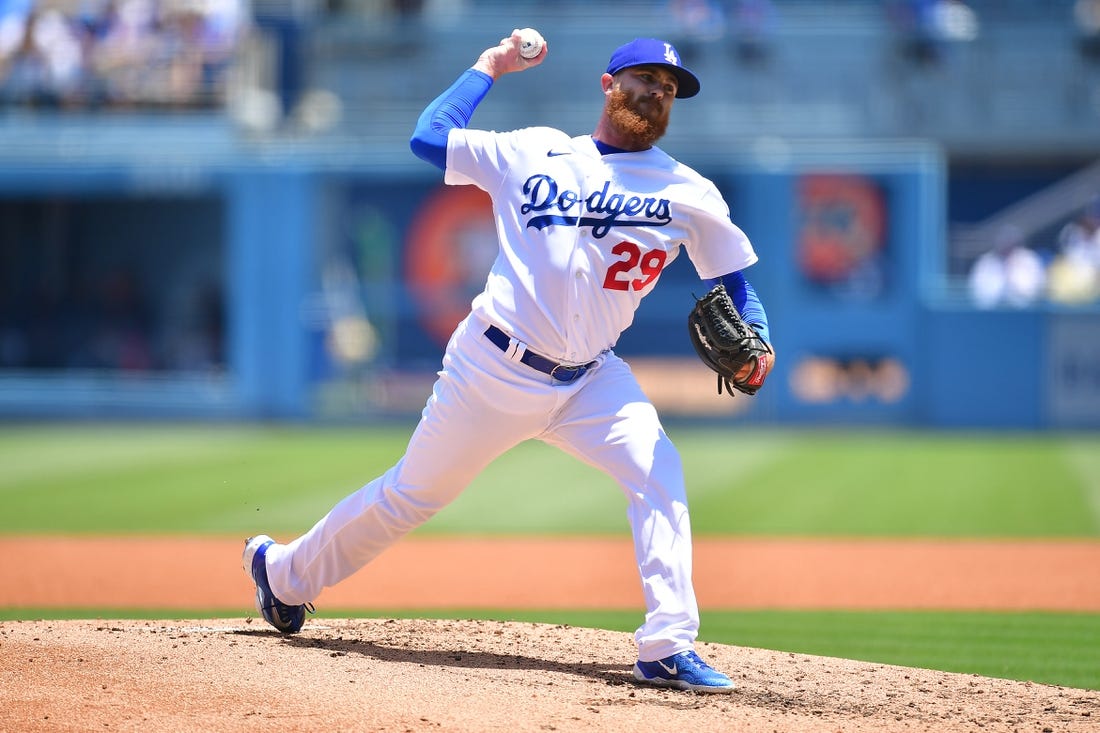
x=609, y=423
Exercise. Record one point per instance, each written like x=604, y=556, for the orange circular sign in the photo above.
x=451, y=246
x=843, y=225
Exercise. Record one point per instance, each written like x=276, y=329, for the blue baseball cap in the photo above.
x=651, y=51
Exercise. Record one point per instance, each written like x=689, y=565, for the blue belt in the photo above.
x=559, y=372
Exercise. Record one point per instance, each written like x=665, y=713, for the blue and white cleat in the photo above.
x=683, y=671
x=286, y=618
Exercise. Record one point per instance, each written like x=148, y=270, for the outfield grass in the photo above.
x=103, y=479
x=221, y=479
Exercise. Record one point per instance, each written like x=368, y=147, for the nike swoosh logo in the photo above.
x=670, y=670
x=555, y=153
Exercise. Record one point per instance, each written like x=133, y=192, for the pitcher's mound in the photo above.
x=437, y=675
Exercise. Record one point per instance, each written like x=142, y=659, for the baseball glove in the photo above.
x=726, y=343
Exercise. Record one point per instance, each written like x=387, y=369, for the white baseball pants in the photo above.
x=482, y=405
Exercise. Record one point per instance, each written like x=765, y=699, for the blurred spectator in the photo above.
x=117, y=52
x=1075, y=271
x=928, y=27
x=407, y=9
x=1086, y=17
x=695, y=24
x=168, y=53
x=1010, y=274
x=283, y=24
x=196, y=44
x=122, y=51
x=40, y=57
x=954, y=20
x=752, y=23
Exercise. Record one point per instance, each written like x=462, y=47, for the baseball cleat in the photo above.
x=286, y=618
x=683, y=671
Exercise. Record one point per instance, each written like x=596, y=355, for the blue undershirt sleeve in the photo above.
x=748, y=303
x=451, y=109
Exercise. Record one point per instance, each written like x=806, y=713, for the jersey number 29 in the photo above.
x=618, y=275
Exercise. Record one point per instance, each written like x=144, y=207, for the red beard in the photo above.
x=641, y=127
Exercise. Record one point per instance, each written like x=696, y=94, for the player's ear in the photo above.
x=607, y=82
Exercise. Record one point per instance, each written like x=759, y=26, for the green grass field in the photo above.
x=220, y=479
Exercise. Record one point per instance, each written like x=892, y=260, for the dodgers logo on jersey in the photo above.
x=602, y=209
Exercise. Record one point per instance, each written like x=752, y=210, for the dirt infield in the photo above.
x=378, y=675
x=236, y=674
x=516, y=573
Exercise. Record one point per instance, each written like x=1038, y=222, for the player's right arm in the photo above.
x=454, y=107
x=451, y=109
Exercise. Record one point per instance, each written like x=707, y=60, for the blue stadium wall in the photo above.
x=341, y=281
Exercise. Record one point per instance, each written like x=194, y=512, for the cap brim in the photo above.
x=687, y=83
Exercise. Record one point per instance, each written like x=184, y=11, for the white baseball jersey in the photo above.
x=584, y=236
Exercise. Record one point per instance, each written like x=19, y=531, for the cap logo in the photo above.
x=670, y=55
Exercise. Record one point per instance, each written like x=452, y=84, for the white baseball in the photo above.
x=531, y=43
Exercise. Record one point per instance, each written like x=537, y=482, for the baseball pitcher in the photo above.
x=586, y=225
